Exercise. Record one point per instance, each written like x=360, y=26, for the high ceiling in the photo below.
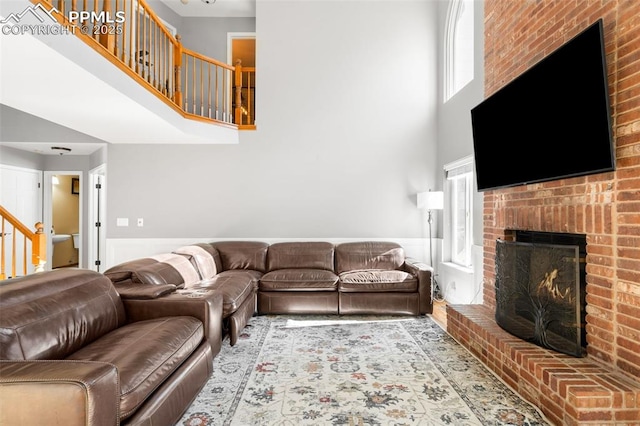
x=214, y=8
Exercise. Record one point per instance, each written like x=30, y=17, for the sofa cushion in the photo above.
x=139, y=291
x=368, y=255
x=51, y=315
x=248, y=274
x=202, y=259
x=145, y=353
x=296, y=255
x=235, y=288
x=299, y=280
x=242, y=254
x=169, y=269
x=376, y=280
x=124, y=271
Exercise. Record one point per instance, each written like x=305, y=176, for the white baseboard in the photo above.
x=124, y=249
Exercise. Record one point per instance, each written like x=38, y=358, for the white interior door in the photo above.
x=21, y=195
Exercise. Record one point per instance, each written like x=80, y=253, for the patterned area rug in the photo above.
x=324, y=370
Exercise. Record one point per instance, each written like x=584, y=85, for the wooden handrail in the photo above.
x=207, y=59
x=38, y=244
x=138, y=42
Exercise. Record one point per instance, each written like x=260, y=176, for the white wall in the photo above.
x=20, y=158
x=455, y=141
x=346, y=101
x=208, y=36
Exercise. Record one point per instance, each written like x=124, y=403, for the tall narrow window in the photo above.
x=458, y=49
x=459, y=191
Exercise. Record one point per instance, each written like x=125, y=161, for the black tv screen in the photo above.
x=551, y=122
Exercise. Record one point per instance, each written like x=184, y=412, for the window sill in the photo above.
x=459, y=268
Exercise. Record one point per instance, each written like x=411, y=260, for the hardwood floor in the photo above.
x=440, y=313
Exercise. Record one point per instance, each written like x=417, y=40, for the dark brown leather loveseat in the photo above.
x=72, y=352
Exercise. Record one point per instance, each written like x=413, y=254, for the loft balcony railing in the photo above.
x=18, y=241
x=130, y=35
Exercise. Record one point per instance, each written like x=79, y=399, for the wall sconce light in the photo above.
x=55, y=180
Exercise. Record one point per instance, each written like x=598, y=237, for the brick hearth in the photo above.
x=569, y=391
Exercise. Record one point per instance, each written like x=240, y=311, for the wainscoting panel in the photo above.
x=123, y=249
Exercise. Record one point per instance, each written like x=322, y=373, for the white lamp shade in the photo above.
x=431, y=200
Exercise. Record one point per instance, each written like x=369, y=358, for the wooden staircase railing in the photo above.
x=204, y=86
x=38, y=245
x=135, y=39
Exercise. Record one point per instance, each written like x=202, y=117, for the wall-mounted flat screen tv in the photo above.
x=551, y=122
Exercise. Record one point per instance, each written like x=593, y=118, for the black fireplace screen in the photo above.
x=539, y=296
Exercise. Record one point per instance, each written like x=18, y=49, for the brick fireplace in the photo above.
x=603, y=387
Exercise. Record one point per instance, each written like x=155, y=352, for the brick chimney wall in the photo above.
x=605, y=207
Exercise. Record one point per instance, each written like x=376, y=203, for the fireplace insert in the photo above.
x=540, y=292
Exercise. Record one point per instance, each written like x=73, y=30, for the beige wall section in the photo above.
x=66, y=208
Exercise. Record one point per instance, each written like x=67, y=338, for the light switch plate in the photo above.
x=122, y=221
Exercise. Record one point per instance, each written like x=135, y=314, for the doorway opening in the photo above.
x=242, y=47
x=63, y=218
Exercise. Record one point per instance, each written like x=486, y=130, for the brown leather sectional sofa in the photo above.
x=135, y=345
x=74, y=352
x=314, y=277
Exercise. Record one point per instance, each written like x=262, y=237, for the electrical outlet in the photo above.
x=140, y=221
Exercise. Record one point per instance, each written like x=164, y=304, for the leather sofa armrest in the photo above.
x=423, y=272
x=205, y=305
x=143, y=291
x=62, y=392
